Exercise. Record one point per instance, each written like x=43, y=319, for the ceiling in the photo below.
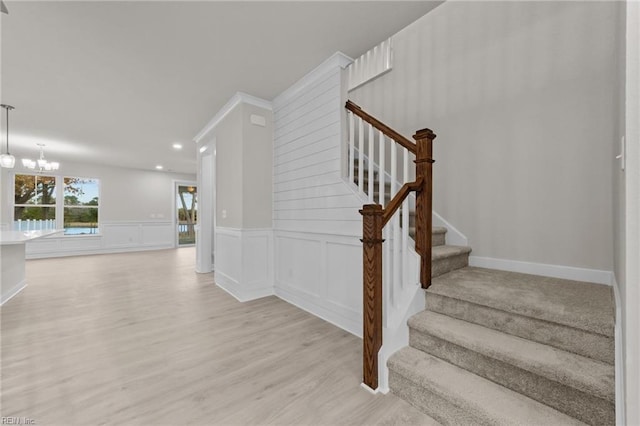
x=118, y=83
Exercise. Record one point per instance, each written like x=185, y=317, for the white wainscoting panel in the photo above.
x=244, y=262
x=114, y=237
x=156, y=234
x=322, y=274
x=344, y=279
x=120, y=235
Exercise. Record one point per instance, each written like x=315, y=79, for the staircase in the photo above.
x=497, y=347
x=492, y=347
x=444, y=258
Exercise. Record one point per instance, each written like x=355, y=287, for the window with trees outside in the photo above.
x=51, y=202
x=34, y=203
x=81, y=201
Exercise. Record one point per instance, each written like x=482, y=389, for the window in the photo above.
x=81, y=198
x=50, y=202
x=34, y=202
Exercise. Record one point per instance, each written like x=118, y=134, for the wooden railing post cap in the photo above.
x=424, y=134
x=371, y=210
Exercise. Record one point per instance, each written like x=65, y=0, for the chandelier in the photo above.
x=40, y=163
x=7, y=160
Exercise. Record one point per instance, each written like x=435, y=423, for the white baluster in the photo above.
x=19, y=224
x=371, y=171
x=361, y=155
x=386, y=274
x=382, y=141
x=405, y=217
x=351, y=145
x=394, y=169
x=396, y=252
x=396, y=217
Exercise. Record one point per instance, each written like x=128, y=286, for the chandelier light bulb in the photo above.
x=7, y=160
x=41, y=163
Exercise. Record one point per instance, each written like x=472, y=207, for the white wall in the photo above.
x=228, y=135
x=257, y=165
x=318, y=254
x=135, y=213
x=241, y=134
x=522, y=98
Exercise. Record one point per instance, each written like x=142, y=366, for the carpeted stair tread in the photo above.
x=483, y=401
x=439, y=230
x=442, y=252
x=581, y=373
x=582, y=342
x=585, y=306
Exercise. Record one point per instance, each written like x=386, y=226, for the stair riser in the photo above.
x=578, y=404
x=434, y=405
x=581, y=342
x=437, y=239
x=442, y=266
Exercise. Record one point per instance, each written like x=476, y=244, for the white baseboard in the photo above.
x=557, y=271
x=13, y=292
x=619, y=359
x=46, y=255
x=241, y=294
x=114, y=237
x=368, y=389
x=303, y=302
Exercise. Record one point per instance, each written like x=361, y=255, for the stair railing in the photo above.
x=375, y=216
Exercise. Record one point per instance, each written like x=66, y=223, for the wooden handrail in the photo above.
x=388, y=131
x=374, y=218
x=397, y=200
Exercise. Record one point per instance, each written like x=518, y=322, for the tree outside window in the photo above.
x=39, y=202
x=81, y=202
x=34, y=204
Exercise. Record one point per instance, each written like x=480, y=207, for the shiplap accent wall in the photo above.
x=309, y=192
x=318, y=254
x=114, y=237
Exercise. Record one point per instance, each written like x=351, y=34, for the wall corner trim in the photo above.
x=237, y=99
x=619, y=358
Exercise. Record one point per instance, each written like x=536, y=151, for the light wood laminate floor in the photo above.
x=140, y=338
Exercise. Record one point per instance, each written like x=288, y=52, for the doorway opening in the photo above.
x=187, y=213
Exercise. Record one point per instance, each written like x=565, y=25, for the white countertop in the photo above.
x=21, y=237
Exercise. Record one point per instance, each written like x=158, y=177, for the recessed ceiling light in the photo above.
x=177, y=146
x=203, y=148
x=159, y=167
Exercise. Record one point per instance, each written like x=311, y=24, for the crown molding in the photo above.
x=237, y=99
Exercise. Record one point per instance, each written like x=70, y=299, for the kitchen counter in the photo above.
x=12, y=260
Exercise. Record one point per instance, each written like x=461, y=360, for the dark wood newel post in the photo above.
x=372, y=291
x=424, y=203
